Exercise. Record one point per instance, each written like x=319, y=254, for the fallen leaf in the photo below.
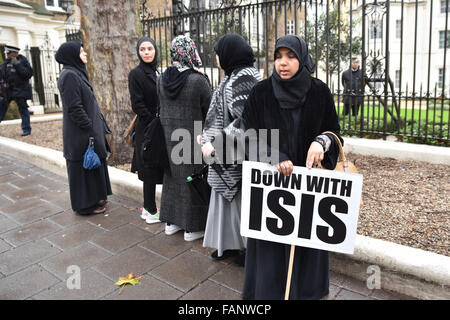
x=129, y=279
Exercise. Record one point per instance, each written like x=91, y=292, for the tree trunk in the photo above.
x=110, y=35
x=271, y=39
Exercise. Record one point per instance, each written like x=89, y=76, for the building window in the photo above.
x=397, y=79
x=51, y=3
x=441, y=77
x=290, y=27
x=442, y=39
x=445, y=5
x=398, y=29
x=376, y=29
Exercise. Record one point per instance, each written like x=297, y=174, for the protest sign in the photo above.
x=311, y=207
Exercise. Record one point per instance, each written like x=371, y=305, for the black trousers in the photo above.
x=149, y=197
x=355, y=108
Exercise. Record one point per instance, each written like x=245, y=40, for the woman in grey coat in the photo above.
x=184, y=96
x=235, y=57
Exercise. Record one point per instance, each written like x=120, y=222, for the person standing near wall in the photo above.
x=15, y=73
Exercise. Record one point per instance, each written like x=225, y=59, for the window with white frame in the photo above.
x=442, y=39
x=398, y=29
x=441, y=77
x=53, y=4
x=290, y=27
x=397, y=79
x=445, y=5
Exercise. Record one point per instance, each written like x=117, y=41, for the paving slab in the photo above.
x=149, y=289
x=21, y=257
x=136, y=259
x=26, y=283
x=75, y=235
x=187, y=270
x=121, y=238
x=93, y=286
x=30, y=232
x=84, y=257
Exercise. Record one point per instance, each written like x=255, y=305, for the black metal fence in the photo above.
x=45, y=75
x=401, y=47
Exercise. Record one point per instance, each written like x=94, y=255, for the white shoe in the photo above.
x=191, y=236
x=151, y=218
x=144, y=213
x=172, y=229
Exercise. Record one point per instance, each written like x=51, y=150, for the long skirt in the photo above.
x=266, y=268
x=223, y=224
x=87, y=187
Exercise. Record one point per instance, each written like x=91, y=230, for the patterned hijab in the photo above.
x=184, y=54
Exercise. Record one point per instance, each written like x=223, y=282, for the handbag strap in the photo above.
x=341, y=149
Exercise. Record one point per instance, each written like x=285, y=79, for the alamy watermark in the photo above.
x=73, y=281
x=374, y=279
x=232, y=145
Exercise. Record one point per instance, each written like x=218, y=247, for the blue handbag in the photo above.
x=91, y=160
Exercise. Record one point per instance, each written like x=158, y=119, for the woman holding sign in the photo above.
x=301, y=108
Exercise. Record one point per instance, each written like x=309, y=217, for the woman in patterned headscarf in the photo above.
x=235, y=57
x=184, y=96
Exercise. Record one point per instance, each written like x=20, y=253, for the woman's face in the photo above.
x=286, y=63
x=147, y=51
x=83, y=55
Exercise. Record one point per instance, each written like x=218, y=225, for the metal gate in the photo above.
x=401, y=45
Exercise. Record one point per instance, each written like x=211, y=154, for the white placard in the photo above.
x=312, y=208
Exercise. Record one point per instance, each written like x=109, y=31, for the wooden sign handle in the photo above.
x=289, y=275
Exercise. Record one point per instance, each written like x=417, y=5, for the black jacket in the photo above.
x=318, y=114
x=81, y=116
x=17, y=77
x=352, y=93
x=144, y=101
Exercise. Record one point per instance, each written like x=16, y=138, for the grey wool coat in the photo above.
x=190, y=105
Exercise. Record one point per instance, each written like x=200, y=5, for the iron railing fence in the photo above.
x=401, y=47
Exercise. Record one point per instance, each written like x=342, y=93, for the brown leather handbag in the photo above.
x=128, y=135
x=343, y=164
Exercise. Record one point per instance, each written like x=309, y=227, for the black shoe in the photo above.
x=26, y=134
x=240, y=259
x=226, y=254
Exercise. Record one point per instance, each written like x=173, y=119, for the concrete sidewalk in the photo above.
x=40, y=237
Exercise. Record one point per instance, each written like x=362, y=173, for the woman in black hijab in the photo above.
x=301, y=108
x=235, y=57
x=144, y=99
x=82, y=120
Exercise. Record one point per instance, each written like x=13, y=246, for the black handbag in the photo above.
x=154, y=151
x=199, y=188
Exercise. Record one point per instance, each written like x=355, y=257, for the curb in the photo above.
x=39, y=118
x=409, y=271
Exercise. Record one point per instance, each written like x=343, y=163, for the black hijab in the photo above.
x=149, y=68
x=68, y=54
x=234, y=52
x=291, y=93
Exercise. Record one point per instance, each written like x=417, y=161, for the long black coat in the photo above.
x=267, y=262
x=81, y=116
x=144, y=100
x=352, y=93
x=17, y=76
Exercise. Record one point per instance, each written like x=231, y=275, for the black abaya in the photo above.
x=266, y=263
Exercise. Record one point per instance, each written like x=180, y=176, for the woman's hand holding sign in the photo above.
x=315, y=155
x=285, y=167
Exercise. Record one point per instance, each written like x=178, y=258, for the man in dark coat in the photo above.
x=15, y=74
x=353, y=92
